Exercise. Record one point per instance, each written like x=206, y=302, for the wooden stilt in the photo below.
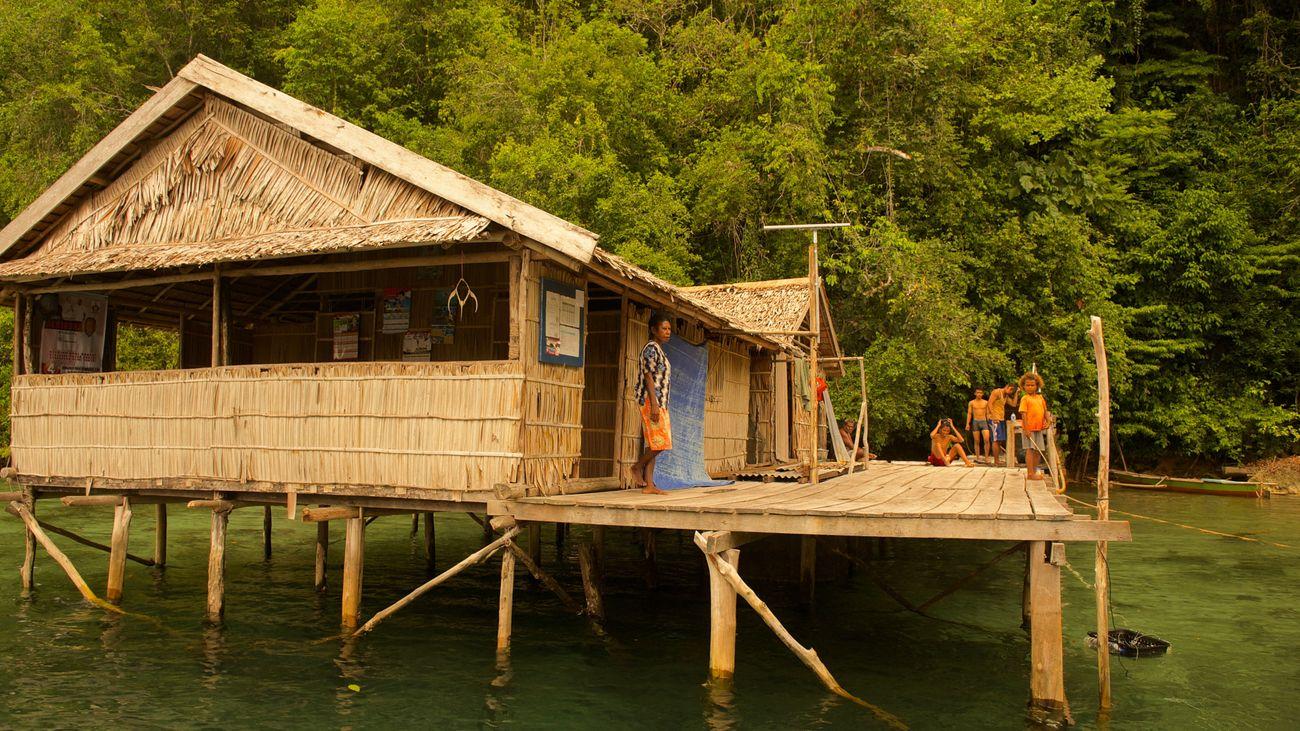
x=415, y=524
x=545, y=578
x=722, y=618
x=590, y=582
x=160, y=535
x=649, y=565
x=535, y=543
x=28, y=569
x=20, y=510
x=56, y=530
x=117, y=552
x=807, y=569
x=354, y=554
x=1047, y=673
x=322, y=552
x=475, y=558
x=266, y=533
x=1101, y=565
x=561, y=533
x=506, y=603
x=487, y=528
x=430, y=548
x=598, y=541
x=1025, y=597
x=217, y=565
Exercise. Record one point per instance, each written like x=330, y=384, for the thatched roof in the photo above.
x=223, y=118
x=772, y=305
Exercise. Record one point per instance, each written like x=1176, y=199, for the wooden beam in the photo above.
x=722, y=540
x=1047, y=671
x=226, y=505
x=556, y=233
x=354, y=553
x=1101, y=564
x=216, y=606
x=317, y=515
x=506, y=602
x=217, y=329
x=20, y=320
x=56, y=530
x=722, y=615
x=117, y=552
x=545, y=578
x=473, y=559
x=814, y=313
x=81, y=501
x=822, y=525
x=100, y=155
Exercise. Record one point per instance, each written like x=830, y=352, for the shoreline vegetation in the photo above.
x=1011, y=169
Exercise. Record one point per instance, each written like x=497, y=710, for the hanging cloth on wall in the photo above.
x=802, y=383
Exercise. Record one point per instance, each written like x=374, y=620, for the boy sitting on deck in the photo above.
x=1034, y=419
x=945, y=445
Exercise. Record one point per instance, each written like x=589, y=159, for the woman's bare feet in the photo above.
x=1036, y=476
x=632, y=476
x=651, y=489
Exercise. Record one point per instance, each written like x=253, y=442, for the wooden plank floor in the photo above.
x=885, y=500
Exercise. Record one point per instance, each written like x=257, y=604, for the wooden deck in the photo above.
x=894, y=500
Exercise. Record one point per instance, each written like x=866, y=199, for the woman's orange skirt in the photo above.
x=658, y=435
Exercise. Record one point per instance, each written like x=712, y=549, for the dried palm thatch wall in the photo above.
x=726, y=407
x=552, y=404
x=762, y=411
x=225, y=175
x=452, y=426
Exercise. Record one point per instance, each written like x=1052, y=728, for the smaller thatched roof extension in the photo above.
x=272, y=245
x=770, y=306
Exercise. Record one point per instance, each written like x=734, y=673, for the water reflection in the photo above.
x=352, y=671
x=214, y=651
x=720, y=712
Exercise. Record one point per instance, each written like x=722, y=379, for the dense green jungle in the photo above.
x=1010, y=167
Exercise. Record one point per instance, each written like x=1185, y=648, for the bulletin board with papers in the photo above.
x=563, y=329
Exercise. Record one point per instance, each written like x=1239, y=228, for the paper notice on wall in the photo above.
x=74, y=342
x=417, y=345
x=347, y=336
x=563, y=320
x=397, y=311
x=442, y=324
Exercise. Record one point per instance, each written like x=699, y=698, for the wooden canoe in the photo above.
x=1207, y=486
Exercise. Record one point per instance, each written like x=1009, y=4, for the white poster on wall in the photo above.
x=74, y=342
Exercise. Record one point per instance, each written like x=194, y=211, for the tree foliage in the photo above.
x=1012, y=166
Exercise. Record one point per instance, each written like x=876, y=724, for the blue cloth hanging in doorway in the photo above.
x=683, y=465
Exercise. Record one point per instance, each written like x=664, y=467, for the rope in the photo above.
x=1184, y=525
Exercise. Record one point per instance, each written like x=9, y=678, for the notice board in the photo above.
x=562, y=327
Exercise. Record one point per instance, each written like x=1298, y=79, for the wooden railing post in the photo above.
x=1101, y=567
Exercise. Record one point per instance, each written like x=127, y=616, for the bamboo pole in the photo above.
x=1101, y=567
x=21, y=511
x=475, y=558
x=159, y=535
x=354, y=553
x=117, y=552
x=217, y=565
x=322, y=552
x=722, y=618
x=807, y=655
x=506, y=602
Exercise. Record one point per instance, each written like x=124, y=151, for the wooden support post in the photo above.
x=322, y=552
x=649, y=565
x=506, y=603
x=591, y=581
x=354, y=555
x=160, y=535
x=266, y=532
x=20, y=328
x=1047, y=672
x=598, y=541
x=56, y=530
x=807, y=569
x=1025, y=597
x=545, y=578
x=20, y=510
x=814, y=329
x=430, y=547
x=217, y=565
x=534, y=542
x=28, y=570
x=117, y=554
x=415, y=524
x=1011, y=443
x=486, y=525
x=722, y=618
x=216, y=316
x=1101, y=565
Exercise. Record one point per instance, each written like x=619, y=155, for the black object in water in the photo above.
x=1131, y=643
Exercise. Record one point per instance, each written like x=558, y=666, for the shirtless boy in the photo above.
x=945, y=445
x=977, y=412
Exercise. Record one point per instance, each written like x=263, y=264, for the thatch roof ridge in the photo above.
x=201, y=73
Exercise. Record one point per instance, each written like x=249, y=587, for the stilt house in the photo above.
x=353, y=319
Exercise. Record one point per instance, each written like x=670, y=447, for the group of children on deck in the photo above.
x=987, y=419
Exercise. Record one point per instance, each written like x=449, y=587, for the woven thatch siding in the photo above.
x=429, y=425
x=552, y=428
x=726, y=408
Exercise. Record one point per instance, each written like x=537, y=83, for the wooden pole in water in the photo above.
x=807, y=569
x=322, y=552
x=430, y=547
x=1101, y=567
x=1047, y=671
x=534, y=541
x=266, y=532
x=590, y=583
x=506, y=603
x=722, y=618
x=354, y=554
x=217, y=565
x=28, y=570
x=60, y=558
x=117, y=552
x=160, y=535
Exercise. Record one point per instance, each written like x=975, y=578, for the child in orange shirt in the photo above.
x=1034, y=418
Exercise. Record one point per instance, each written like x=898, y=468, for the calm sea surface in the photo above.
x=1229, y=607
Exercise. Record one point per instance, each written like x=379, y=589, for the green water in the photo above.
x=1229, y=608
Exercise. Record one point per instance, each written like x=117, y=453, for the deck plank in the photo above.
x=988, y=497
x=1015, y=500
x=1044, y=503
x=837, y=501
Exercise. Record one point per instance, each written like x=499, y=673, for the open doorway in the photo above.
x=600, y=395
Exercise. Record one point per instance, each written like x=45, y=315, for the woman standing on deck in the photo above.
x=653, y=387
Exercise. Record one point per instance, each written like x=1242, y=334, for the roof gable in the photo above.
x=52, y=207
